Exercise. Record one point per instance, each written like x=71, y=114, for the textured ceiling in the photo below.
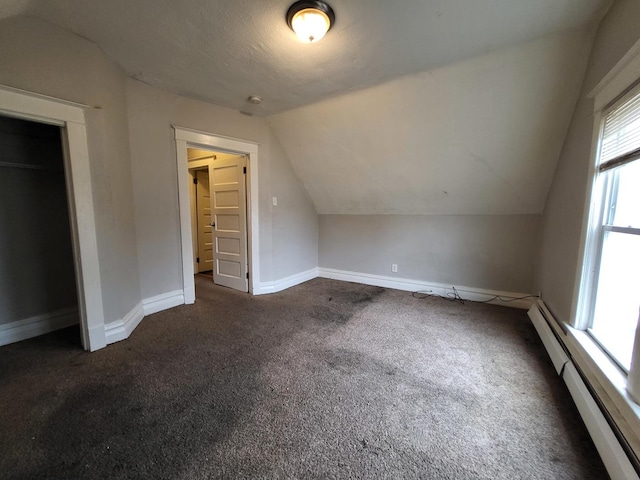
x=412, y=107
x=223, y=51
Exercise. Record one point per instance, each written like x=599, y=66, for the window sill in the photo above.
x=607, y=380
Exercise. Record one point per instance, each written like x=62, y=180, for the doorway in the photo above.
x=38, y=291
x=188, y=138
x=71, y=119
x=219, y=216
x=203, y=228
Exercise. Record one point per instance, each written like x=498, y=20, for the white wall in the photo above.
x=481, y=137
x=39, y=57
x=486, y=131
x=288, y=232
x=493, y=252
x=444, y=172
x=294, y=224
x=563, y=213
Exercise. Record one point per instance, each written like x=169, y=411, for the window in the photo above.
x=614, y=296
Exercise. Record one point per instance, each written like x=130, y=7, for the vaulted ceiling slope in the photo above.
x=223, y=51
x=480, y=137
x=412, y=107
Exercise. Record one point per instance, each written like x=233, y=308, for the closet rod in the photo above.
x=28, y=166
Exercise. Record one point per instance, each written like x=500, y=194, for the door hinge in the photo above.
x=247, y=275
x=197, y=259
x=244, y=170
x=195, y=180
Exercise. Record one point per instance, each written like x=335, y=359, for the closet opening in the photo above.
x=38, y=290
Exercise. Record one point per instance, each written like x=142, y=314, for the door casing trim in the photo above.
x=185, y=138
x=72, y=118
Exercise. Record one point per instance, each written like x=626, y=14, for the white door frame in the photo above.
x=185, y=138
x=71, y=118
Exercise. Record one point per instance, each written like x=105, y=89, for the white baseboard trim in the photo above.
x=287, y=282
x=121, y=329
x=467, y=293
x=558, y=356
x=38, y=325
x=163, y=301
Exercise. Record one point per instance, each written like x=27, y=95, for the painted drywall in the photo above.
x=10, y=8
x=39, y=57
x=491, y=252
x=563, y=213
x=36, y=259
x=444, y=173
x=481, y=137
x=288, y=232
x=294, y=224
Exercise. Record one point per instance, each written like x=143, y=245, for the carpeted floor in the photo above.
x=325, y=380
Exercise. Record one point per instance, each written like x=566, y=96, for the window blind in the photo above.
x=621, y=136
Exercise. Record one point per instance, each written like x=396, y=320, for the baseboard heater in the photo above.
x=613, y=455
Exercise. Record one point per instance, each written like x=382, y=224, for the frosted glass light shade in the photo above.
x=310, y=19
x=310, y=24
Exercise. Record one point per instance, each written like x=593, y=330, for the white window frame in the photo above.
x=598, y=223
x=604, y=374
x=616, y=85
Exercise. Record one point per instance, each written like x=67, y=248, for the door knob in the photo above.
x=213, y=224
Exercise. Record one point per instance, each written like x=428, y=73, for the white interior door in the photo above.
x=229, y=208
x=205, y=231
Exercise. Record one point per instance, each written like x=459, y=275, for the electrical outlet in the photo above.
x=394, y=267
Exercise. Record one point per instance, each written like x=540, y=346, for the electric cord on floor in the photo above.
x=454, y=296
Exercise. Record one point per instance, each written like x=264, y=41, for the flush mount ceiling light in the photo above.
x=310, y=19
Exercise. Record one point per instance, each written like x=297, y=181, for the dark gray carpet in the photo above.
x=325, y=380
